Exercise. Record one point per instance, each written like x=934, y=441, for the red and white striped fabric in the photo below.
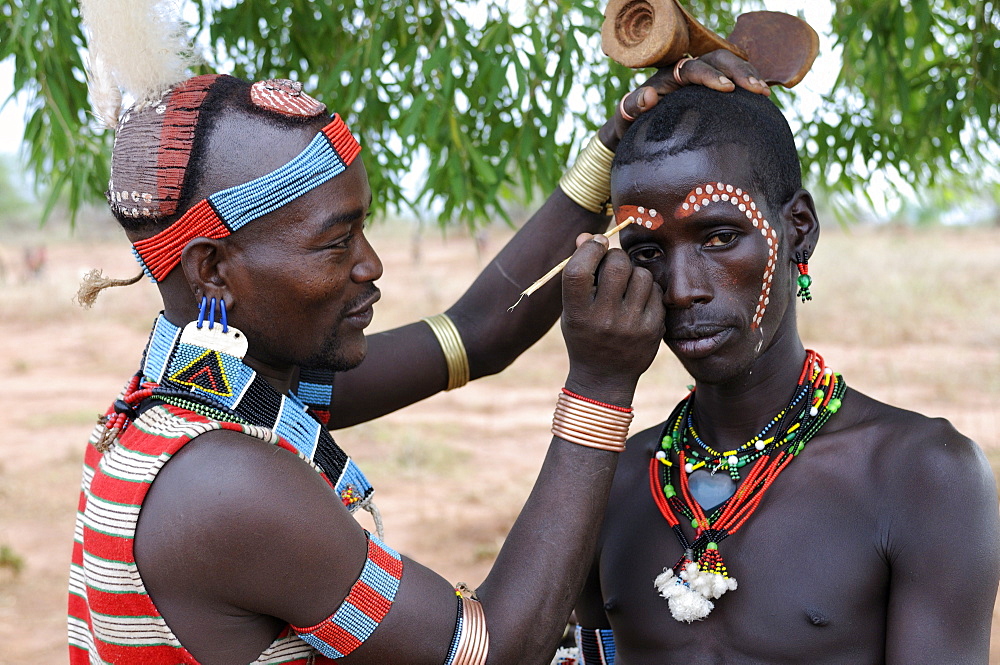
x=112, y=619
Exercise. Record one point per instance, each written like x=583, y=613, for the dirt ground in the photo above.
x=908, y=316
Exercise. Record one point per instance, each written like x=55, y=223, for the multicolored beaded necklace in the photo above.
x=200, y=368
x=684, y=460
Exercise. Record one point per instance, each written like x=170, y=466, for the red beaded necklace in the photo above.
x=700, y=575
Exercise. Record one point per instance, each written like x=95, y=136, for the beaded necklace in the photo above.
x=202, y=369
x=700, y=575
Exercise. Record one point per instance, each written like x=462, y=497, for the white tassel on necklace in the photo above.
x=691, y=593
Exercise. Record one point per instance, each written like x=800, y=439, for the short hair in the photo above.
x=696, y=117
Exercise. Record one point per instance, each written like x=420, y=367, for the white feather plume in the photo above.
x=138, y=46
x=105, y=95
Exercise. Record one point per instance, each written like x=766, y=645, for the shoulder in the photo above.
x=909, y=438
x=225, y=508
x=640, y=447
x=919, y=464
x=633, y=467
x=223, y=466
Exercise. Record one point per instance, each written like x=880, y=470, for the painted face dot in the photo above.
x=649, y=225
x=742, y=207
x=704, y=202
x=715, y=198
x=652, y=213
x=686, y=206
x=725, y=197
x=641, y=209
x=697, y=207
x=698, y=191
x=753, y=205
x=709, y=189
x=729, y=188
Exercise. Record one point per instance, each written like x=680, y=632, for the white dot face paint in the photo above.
x=745, y=204
x=645, y=217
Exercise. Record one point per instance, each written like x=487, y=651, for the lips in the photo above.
x=361, y=315
x=696, y=341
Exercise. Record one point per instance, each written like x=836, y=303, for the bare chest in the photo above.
x=811, y=575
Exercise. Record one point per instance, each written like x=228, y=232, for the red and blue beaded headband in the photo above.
x=225, y=212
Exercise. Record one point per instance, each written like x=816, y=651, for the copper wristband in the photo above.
x=590, y=425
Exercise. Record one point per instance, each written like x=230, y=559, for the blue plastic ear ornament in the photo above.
x=222, y=338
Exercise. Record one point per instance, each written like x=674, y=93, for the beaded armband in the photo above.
x=228, y=210
x=596, y=646
x=364, y=608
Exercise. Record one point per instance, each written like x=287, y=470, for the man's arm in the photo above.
x=406, y=364
x=237, y=538
x=943, y=549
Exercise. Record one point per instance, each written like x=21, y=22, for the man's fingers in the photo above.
x=699, y=72
x=638, y=102
x=613, y=279
x=639, y=286
x=578, y=276
x=584, y=237
x=654, y=310
x=737, y=70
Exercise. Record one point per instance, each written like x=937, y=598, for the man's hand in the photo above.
x=612, y=321
x=719, y=70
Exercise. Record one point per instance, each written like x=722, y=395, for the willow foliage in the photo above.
x=478, y=106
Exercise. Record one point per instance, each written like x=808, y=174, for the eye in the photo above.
x=644, y=254
x=342, y=243
x=722, y=239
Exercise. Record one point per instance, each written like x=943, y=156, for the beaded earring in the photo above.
x=804, y=280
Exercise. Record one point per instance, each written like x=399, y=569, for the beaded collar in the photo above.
x=192, y=372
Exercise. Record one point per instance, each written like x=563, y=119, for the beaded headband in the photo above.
x=226, y=211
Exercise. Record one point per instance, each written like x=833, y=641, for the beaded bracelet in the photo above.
x=591, y=415
x=591, y=423
x=588, y=181
x=454, y=350
x=623, y=409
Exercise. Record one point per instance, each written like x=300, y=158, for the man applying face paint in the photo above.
x=775, y=516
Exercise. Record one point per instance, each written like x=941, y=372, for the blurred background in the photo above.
x=896, y=126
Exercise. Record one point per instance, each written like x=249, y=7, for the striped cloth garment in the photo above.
x=111, y=617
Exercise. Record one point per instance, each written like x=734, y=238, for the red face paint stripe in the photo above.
x=718, y=192
x=647, y=218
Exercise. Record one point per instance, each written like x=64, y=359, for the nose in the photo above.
x=685, y=281
x=368, y=267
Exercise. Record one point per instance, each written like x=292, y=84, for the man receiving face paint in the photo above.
x=775, y=516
